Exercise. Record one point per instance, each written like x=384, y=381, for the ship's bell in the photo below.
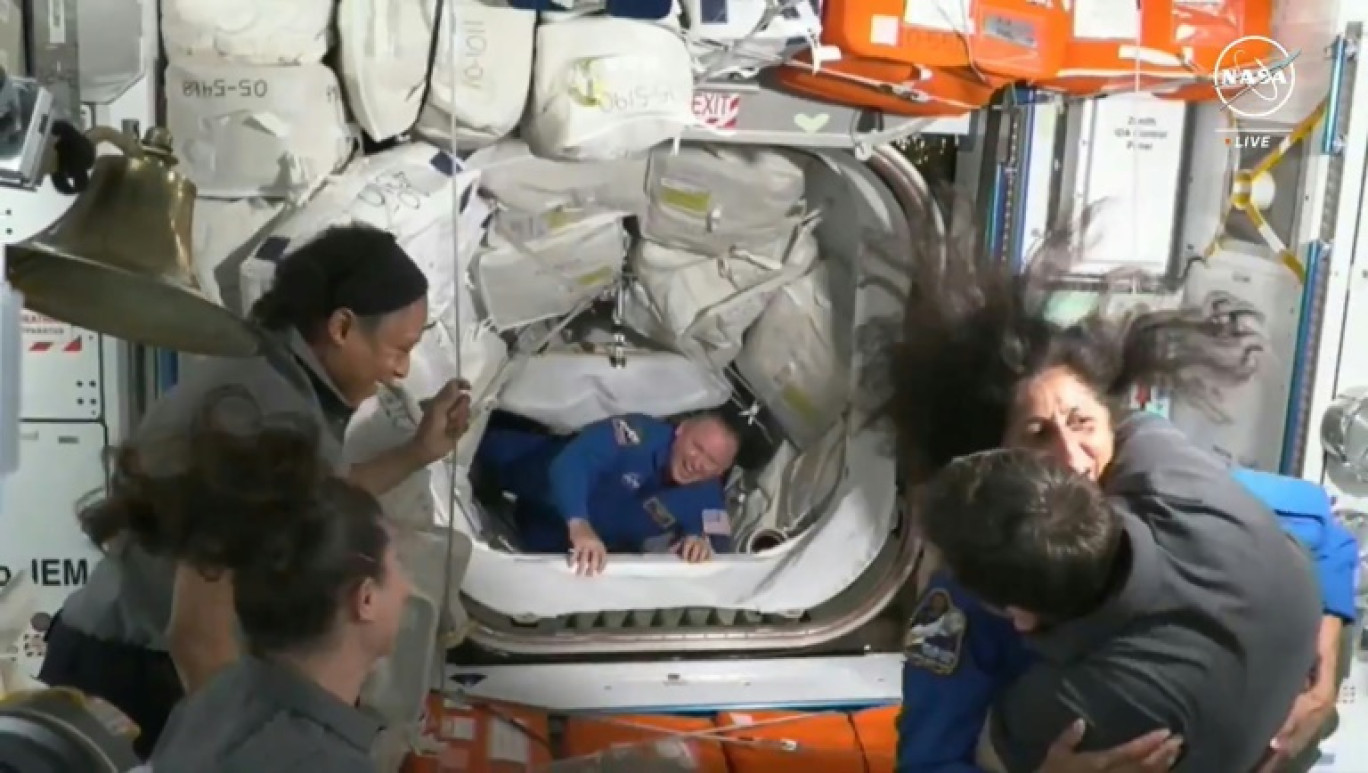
x=119, y=261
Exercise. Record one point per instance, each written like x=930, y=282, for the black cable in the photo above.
x=75, y=158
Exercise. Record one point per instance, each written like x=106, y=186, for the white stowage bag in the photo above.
x=110, y=37
x=740, y=37
x=790, y=489
x=702, y=305
x=487, y=91
x=247, y=131
x=792, y=361
x=224, y=236
x=536, y=195
x=606, y=88
x=519, y=282
x=270, y=32
x=709, y=198
x=566, y=390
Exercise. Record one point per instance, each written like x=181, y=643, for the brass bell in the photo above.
x=119, y=261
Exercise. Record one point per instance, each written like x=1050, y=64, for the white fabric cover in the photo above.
x=790, y=487
x=730, y=36
x=110, y=36
x=535, y=195
x=267, y=32
x=519, y=282
x=228, y=232
x=702, y=305
x=243, y=131
x=566, y=390
x=791, y=361
x=710, y=198
x=606, y=88
x=493, y=74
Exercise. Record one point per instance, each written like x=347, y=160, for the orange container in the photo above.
x=482, y=739
x=1112, y=53
x=889, y=87
x=791, y=742
x=1014, y=39
x=877, y=731
x=1204, y=29
x=586, y=735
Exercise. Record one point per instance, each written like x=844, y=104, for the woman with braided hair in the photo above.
x=1128, y=603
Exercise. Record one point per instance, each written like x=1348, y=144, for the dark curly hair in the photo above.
x=975, y=329
x=251, y=495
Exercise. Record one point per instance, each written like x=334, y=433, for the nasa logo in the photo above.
x=1255, y=76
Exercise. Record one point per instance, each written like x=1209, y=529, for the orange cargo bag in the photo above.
x=588, y=735
x=489, y=738
x=889, y=87
x=790, y=742
x=1108, y=53
x=1204, y=30
x=1015, y=39
x=877, y=730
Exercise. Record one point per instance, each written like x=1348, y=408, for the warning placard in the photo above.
x=44, y=334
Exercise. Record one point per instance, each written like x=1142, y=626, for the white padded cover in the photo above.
x=732, y=36
x=492, y=76
x=224, y=235
x=605, y=88
x=247, y=31
x=243, y=131
x=566, y=390
x=791, y=360
x=520, y=282
x=535, y=194
x=702, y=305
x=709, y=198
x=110, y=36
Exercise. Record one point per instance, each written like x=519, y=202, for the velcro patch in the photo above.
x=716, y=522
x=625, y=434
x=660, y=514
x=935, y=634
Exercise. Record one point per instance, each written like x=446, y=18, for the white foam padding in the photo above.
x=110, y=37
x=565, y=390
x=243, y=131
x=519, y=282
x=535, y=194
x=792, y=363
x=606, y=88
x=224, y=234
x=710, y=198
x=485, y=86
x=702, y=305
x=269, y=32
x=741, y=36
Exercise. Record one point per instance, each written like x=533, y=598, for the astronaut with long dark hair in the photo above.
x=1130, y=601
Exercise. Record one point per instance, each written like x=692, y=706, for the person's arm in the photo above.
x=579, y=464
x=950, y=682
x=1119, y=695
x=202, y=634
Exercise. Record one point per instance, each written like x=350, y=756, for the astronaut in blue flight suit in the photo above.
x=629, y=483
x=960, y=655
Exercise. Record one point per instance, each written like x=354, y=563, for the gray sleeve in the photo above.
x=1153, y=456
x=287, y=745
x=1121, y=696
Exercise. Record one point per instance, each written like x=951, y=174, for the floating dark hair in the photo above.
x=974, y=329
x=251, y=494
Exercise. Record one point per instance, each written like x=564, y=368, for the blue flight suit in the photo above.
x=947, y=698
x=612, y=472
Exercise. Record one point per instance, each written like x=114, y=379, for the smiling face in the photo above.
x=704, y=448
x=360, y=355
x=1058, y=413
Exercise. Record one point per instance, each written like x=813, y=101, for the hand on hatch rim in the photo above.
x=587, y=552
x=695, y=550
x=1153, y=752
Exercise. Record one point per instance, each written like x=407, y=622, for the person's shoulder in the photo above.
x=287, y=743
x=638, y=430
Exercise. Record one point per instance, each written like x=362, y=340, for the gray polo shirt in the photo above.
x=128, y=596
x=1211, y=633
x=261, y=717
